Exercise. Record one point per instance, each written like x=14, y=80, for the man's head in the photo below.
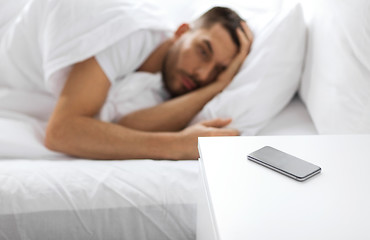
x=201, y=50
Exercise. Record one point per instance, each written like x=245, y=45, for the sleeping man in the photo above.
x=197, y=62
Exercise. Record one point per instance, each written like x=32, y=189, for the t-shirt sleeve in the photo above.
x=128, y=54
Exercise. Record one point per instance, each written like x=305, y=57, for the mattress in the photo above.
x=45, y=195
x=84, y=199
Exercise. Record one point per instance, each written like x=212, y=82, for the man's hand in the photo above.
x=245, y=39
x=189, y=136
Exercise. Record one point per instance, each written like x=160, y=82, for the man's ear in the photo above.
x=183, y=28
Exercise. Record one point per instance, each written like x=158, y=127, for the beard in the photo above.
x=165, y=73
x=169, y=70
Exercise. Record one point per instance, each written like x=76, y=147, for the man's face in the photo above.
x=196, y=58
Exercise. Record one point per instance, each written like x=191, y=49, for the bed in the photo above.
x=64, y=198
x=47, y=195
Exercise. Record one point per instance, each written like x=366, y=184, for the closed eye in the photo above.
x=203, y=52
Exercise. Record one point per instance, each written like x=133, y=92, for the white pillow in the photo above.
x=268, y=78
x=336, y=79
x=22, y=137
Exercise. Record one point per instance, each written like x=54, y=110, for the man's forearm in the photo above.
x=89, y=138
x=172, y=115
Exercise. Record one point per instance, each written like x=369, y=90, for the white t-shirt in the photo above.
x=128, y=54
x=119, y=59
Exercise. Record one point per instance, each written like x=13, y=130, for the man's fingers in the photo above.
x=244, y=43
x=217, y=123
x=247, y=31
x=225, y=132
x=245, y=39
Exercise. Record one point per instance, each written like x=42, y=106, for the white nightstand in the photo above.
x=244, y=200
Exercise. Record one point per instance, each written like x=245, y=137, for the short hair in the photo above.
x=228, y=18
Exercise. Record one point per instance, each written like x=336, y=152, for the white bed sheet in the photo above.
x=85, y=199
x=57, y=197
x=294, y=119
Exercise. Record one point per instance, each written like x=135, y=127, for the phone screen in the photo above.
x=284, y=163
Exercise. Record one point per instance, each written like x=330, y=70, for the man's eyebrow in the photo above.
x=209, y=46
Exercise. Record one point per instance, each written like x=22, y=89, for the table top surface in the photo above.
x=249, y=201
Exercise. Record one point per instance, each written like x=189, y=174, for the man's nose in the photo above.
x=203, y=72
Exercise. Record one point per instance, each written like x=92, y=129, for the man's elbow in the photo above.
x=53, y=138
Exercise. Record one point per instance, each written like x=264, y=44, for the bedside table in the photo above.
x=244, y=200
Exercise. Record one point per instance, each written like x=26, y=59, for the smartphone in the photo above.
x=284, y=163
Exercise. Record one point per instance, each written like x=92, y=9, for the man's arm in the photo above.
x=73, y=130
x=172, y=115
x=175, y=114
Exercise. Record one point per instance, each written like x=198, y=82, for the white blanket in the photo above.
x=50, y=35
x=39, y=47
